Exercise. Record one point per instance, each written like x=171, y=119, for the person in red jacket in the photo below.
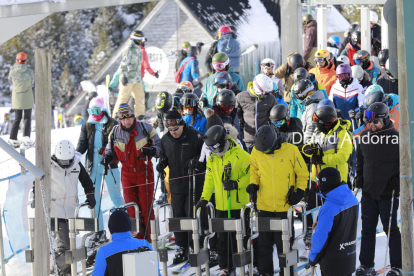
x=352, y=47
x=134, y=143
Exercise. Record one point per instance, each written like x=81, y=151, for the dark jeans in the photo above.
x=266, y=242
x=312, y=193
x=370, y=210
x=26, y=123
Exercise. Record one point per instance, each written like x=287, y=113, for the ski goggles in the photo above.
x=220, y=66
x=94, y=111
x=188, y=102
x=64, y=163
x=327, y=124
x=215, y=147
x=372, y=117
x=267, y=65
x=342, y=77
x=125, y=115
x=279, y=124
x=172, y=123
x=184, y=88
x=358, y=61
x=191, y=108
x=226, y=110
x=220, y=85
x=319, y=59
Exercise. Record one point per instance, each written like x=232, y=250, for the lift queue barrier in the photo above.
x=255, y=233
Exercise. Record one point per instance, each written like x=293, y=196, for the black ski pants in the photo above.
x=26, y=123
x=312, y=194
x=370, y=210
x=227, y=247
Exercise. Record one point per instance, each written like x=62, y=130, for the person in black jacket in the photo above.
x=334, y=240
x=180, y=151
x=387, y=81
x=378, y=175
x=283, y=123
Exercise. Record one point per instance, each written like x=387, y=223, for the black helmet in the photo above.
x=378, y=111
x=226, y=98
x=325, y=118
x=138, y=37
x=300, y=74
x=223, y=80
x=383, y=57
x=192, y=51
x=191, y=100
x=296, y=61
x=356, y=37
x=279, y=112
x=354, y=27
x=163, y=102
x=266, y=140
x=361, y=57
x=302, y=89
x=215, y=138
x=374, y=97
x=328, y=179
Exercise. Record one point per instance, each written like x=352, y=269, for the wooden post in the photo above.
x=405, y=147
x=43, y=89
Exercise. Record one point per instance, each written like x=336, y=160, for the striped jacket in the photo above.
x=347, y=98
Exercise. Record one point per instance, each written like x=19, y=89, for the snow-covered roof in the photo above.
x=334, y=19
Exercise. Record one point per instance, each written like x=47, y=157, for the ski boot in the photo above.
x=255, y=272
x=162, y=199
x=363, y=270
x=97, y=239
x=307, y=239
x=14, y=143
x=180, y=256
x=27, y=142
x=394, y=272
x=226, y=272
x=213, y=258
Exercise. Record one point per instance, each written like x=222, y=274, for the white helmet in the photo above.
x=268, y=60
x=343, y=59
x=357, y=72
x=64, y=153
x=262, y=86
x=373, y=17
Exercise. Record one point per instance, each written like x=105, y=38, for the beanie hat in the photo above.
x=172, y=115
x=119, y=222
x=213, y=119
x=124, y=107
x=97, y=102
x=328, y=179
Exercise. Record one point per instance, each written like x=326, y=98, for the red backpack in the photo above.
x=177, y=76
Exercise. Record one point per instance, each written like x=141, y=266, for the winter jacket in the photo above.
x=347, y=98
x=325, y=75
x=376, y=39
x=22, y=79
x=378, y=161
x=240, y=172
x=307, y=122
x=108, y=259
x=233, y=120
x=373, y=72
x=209, y=57
x=275, y=174
x=277, y=84
x=335, y=237
x=253, y=113
x=64, y=187
x=387, y=82
x=294, y=132
x=210, y=91
x=200, y=123
x=178, y=153
x=231, y=47
x=345, y=41
x=366, y=81
x=336, y=151
x=134, y=63
x=181, y=55
x=296, y=107
x=145, y=63
x=311, y=41
x=349, y=51
x=86, y=142
x=190, y=71
x=126, y=147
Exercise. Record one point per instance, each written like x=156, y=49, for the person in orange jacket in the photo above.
x=325, y=69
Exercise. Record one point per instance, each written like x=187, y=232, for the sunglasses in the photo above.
x=94, y=111
x=279, y=124
x=267, y=65
x=125, y=115
x=342, y=77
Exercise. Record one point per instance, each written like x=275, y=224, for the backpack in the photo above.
x=178, y=74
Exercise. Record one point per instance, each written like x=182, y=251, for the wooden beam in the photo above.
x=43, y=89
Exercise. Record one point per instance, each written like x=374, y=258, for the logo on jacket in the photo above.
x=281, y=160
x=342, y=245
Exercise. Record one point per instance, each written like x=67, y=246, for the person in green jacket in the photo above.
x=233, y=180
x=221, y=63
x=21, y=78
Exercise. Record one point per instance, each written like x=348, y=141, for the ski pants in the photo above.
x=62, y=244
x=137, y=92
x=266, y=242
x=312, y=194
x=114, y=189
x=370, y=210
x=27, y=121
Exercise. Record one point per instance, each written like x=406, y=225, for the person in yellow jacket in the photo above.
x=330, y=146
x=278, y=175
x=228, y=172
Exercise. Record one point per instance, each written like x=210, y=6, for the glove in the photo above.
x=310, y=149
x=162, y=164
x=230, y=185
x=296, y=197
x=90, y=199
x=351, y=114
x=200, y=44
x=358, y=182
x=148, y=151
x=359, y=115
x=156, y=75
x=193, y=164
x=203, y=103
x=107, y=159
x=124, y=81
x=252, y=191
x=201, y=203
x=200, y=85
x=317, y=159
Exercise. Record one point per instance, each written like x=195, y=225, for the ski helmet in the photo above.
x=233, y=29
x=223, y=80
x=185, y=45
x=374, y=97
x=344, y=74
x=226, y=100
x=325, y=102
x=353, y=27
x=223, y=30
x=357, y=72
x=266, y=140
x=356, y=37
x=378, y=111
x=262, y=86
x=192, y=51
x=334, y=41
x=267, y=63
x=303, y=89
x=342, y=59
x=372, y=88
x=307, y=18
x=215, y=138
x=322, y=55
x=220, y=62
x=163, y=102
x=185, y=87
x=383, y=56
x=300, y=74
x=64, y=153
x=138, y=37
x=21, y=58
x=189, y=102
x=279, y=116
x=373, y=17
x=361, y=57
x=325, y=118
x=328, y=179
x=296, y=61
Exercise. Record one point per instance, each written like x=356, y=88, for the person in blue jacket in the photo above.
x=362, y=58
x=191, y=114
x=190, y=72
x=228, y=44
x=335, y=237
x=108, y=260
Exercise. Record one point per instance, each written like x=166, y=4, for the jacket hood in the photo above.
x=121, y=235
x=20, y=67
x=341, y=195
x=315, y=97
x=311, y=24
x=327, y=69
x=233, y=132
x=76, y=160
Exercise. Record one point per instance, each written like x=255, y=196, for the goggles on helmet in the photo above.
x=327, y=124
x=279, y=124
x=266, y=65
x=172, y=123
x=184, y=88
x=186, y=107
x=188, y=102
x=125, y=115
x=319, y=59
x=214, y=148
x=94, y=111
x=220, y=66
x=342, y=77
x=220, y=85
x=358, y=61
x=226, y=110
x=370, y=116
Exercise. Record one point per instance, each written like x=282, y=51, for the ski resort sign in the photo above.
x=159, y=63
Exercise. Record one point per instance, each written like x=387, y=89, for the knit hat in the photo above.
x=172, y=115
x=328, y=179
x=213, y=119
x=97, y=102
x=119, y=222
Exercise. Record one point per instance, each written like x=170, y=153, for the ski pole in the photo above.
x=146, y=185
x=152, y=204
x=312, y=271
x=251, y=234
x=389, y=229
x=102, y=185
x=194, y=204
x=119, y=191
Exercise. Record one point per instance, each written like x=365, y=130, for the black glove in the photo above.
x=296, y=197
x=252, y=191
x=203, y=103
x=230, y=185
x=358, y=182
x=310, y=149
x=351, y=114
x=156, y=75
x=200, y=44
x=201, y=203
x=124, y=81
x=359, y=114
x=317, y=159
x=162, y=164
x=106, y=159
x=193, y=164
x=90, y=199
x=148, y=151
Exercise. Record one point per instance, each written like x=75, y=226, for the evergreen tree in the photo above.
x=101, y=53
x=65, y=81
